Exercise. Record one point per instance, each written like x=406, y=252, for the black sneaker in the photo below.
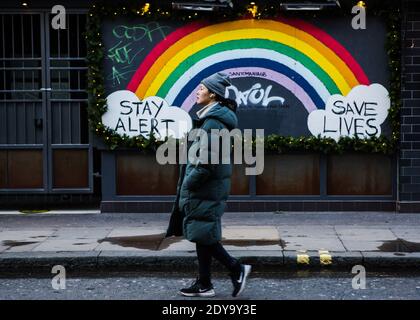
x=239, y=279
x=197, y=289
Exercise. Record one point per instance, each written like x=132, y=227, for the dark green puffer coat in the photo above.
x=203, y=189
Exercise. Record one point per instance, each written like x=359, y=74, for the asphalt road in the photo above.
x=302, y=285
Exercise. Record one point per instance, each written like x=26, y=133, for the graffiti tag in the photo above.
x=128, y=45
x=255, y=96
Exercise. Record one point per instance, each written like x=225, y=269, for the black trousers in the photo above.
x=205, y=253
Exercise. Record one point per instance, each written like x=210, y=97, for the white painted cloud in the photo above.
x=129, y=115
x=360, y=113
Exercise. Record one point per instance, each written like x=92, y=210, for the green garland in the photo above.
x=273, y=143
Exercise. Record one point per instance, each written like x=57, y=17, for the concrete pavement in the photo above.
x=269, y=241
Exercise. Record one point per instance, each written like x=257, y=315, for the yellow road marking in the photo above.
x=325, y=258
x=303, y=259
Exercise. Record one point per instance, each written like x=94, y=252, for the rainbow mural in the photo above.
x=295, y=54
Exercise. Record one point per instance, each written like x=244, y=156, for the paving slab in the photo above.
x=366, y=234
x=260, y=233
x=407, y=234
x=361, y=245
x=81, y=233
x=23, y=246
x=266, y=248
x=131, y=232
x=305, y=231
x=3, y=247
x=132, y=239
x=67, y=245
x=106, y=246
x=23, y=240
x=313, y=243
x=26, y=235
x=176, y=244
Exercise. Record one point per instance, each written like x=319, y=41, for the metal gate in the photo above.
x=44, y=136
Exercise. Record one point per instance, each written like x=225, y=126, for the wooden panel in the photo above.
x=239, y=181
x=296, y=174
x=359, y=174
x=25, y=169
x=3, y=169
x=70, y=168
x=142, y=175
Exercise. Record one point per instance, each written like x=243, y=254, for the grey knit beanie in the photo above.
x=217, y=83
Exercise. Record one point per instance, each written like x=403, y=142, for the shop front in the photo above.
x=324, y=85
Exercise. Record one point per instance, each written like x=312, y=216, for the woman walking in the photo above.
x=202, y=192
